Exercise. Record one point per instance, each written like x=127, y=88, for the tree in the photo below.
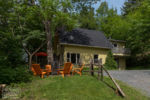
x=11, y=52
x=110, y=62
x=35, y=24
x=85, y=13
x=84, y=17
x=116, y=27
x=102, y=11
x=49, y=12
x=27, y=29
x=8, y=51
x=130, y=6
x=139, y=38
x=113, y=25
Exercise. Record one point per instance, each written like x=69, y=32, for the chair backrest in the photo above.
x=67, y=67
x=48, y=68
x=37, y=68
x=32, y=69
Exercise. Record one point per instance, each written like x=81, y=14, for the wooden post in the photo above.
x=2, y=87
x=91, y=68
x=101, y=73
x=99, y=69
x=118, y=87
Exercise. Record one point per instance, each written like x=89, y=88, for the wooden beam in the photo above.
x=118, y=87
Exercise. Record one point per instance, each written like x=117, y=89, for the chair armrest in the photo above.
x=43, y=70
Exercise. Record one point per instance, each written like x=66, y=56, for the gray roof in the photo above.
x=85, y=37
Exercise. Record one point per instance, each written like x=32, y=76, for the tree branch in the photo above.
x=39, y=47
x=27, y=51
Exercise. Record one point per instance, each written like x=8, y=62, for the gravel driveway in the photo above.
x=140, y=79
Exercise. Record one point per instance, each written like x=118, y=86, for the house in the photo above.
x=84, y=45
x=120, y=52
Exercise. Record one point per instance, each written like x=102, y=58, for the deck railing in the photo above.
x=121, y=50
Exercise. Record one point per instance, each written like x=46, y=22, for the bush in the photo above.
x=14, y=75
x=110, y=62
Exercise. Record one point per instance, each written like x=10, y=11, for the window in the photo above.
x=68, y=57
x=115, y=45
x=73, y=57
x=95, y=58
x=78, y=58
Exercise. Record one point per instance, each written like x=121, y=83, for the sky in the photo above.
x=112, y=3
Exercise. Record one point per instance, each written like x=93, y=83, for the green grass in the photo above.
x=74, y=88
x=96, y=68
x=145, y=67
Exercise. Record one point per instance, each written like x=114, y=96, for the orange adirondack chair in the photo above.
x=38, y=70
x=67, y=69
x=78, y=70
x=32, y=69
x=48, y=69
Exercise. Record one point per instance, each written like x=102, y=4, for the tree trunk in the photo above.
x=49, y=43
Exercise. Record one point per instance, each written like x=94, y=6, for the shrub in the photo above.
x=14, y=75
x=110, y=62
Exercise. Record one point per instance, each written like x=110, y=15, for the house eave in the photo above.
x=84, y=46
x=113, y=40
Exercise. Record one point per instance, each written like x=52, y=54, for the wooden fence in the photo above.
x=100, y=71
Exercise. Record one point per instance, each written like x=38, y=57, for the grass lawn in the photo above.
x=74, y=88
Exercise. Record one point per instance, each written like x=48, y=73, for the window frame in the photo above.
x=96, y=59
x=77, y=57
x=68, y=57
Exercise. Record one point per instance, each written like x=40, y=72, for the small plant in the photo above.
x=110, y=62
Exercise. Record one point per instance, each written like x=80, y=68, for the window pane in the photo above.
x=115, y=45
x=95, y=58
x=68, y=57
x=78, y=58
x=73, y=58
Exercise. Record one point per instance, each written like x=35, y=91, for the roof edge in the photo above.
x=84, y=45
x=116, y=40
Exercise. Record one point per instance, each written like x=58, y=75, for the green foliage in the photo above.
x=10, y=51
x=110, y=23
x=115, y=27
x=84, y=16
x=130, y=6
x=133, y=26
x=110, y=62
x=103, y=9
x=139, y=39
x=85, y=13
x=10, y=75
